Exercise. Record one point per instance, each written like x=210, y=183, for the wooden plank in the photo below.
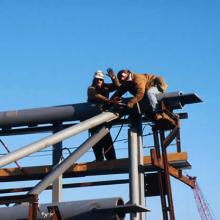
x=178, y=160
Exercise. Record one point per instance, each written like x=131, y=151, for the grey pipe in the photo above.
x=75, y=210
x=80, y=111
x=65, y=164
x=55, y=138
x=133, y=171
x=141, y=173
x=47, y=115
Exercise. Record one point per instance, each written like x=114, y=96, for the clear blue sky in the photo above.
x=50, y=49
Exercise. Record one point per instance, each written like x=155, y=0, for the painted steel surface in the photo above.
x=57, y=137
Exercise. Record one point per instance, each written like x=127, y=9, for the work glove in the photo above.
x=116, y=101
x=109, y=102
x=130, y=105
x=119, y=106
x=110, y=73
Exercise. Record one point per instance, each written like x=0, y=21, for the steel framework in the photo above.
x=139, y=179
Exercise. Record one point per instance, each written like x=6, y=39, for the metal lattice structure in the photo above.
x=202, y=204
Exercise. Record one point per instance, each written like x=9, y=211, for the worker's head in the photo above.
x=98, y=78
x=124, y=76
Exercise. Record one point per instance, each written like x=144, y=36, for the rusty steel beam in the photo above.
x=32, y=130
x=178, y=160
x=33, y=209
x=172, y=135
x=178, y=141
x=151, y=185
x=160, y=177
x=170, y=207
x=17, y=199
x=69, y=185
x=172, y=171
x=32, y=199
x=169, y=119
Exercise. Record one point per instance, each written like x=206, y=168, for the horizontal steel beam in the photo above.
x=32, y=130
x=178, y=160
x=69, y=185
x=17, y=199
x=172, y=170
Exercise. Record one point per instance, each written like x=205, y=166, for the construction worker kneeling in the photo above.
x=143, y=87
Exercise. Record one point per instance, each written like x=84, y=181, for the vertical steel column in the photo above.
x=133, y=170
x=156, y=142
x=178, y=142
x=160, y=177
x=57, y=157
x=140, y=166
x=33, y=208
x=167, y=176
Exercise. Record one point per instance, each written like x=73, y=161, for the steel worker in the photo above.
x=98, y=94
x=141, y=86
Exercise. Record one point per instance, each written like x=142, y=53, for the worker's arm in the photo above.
x=113, y=86
x=120, y=92
x=93, y=96
x=115, y=82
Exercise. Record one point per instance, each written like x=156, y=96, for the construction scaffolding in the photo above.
x=148, y=175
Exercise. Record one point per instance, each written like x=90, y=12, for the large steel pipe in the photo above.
x=133, y=171
x=47, y=115
x=80, y=111
x=57, y=137
x=76, y=210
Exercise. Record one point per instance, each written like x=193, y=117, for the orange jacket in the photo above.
x=139, y=85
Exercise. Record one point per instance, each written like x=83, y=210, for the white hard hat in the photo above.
x=99, y=75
